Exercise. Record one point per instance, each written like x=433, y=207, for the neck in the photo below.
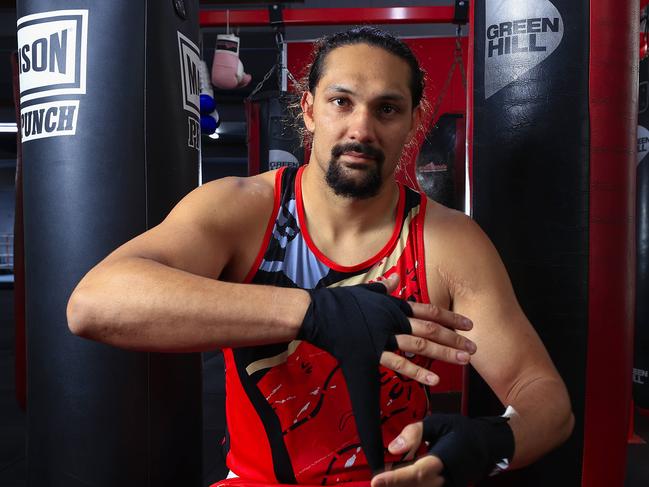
x=338, y=215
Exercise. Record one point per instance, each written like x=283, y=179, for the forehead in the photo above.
x=365, y=68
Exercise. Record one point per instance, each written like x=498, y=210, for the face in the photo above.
x=361, y=116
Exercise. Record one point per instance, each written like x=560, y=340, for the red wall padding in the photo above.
x=612, y=207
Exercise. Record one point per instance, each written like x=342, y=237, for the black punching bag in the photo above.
x=440, y=165
x=553, y=112
x=641, y=360
x=109, y=128
x=274, y=138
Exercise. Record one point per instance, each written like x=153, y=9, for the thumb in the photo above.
x=408, y=441
x=391, y=283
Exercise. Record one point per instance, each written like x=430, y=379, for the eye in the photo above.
x=388, y=109
x=340, y=102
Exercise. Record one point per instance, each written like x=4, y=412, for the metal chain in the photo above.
x=278, y=67
x=279, y=45
x=261, y=83
x=457, y=61
x=458, y=56
x=295, y=82
x=279, y=40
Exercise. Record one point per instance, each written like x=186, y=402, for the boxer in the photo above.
x=330, y=289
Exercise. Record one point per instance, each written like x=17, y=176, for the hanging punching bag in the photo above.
x=641, y=356
x=110, y=133
x=19, y=261
x=440, y=161
x=553, y=111
x=273, y=134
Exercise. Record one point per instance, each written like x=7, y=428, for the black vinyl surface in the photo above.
x=641, y=354
x=530, y=195
x=92, y=407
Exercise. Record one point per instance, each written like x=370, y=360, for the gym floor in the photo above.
x=13, y=465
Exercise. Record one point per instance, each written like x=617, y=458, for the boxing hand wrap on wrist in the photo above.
x=356, y=324
x=469, y=448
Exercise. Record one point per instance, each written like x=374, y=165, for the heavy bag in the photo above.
x=641, y=352
x=110, y=134
x=19, y=260
x=274, y=138
x=440, y=162
x=553, y=111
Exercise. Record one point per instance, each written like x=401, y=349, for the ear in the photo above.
x=417, y=115
x=307, y=110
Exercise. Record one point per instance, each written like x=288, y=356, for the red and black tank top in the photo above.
x=289, y=415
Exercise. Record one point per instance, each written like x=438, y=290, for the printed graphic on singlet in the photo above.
x=303, y=394
x=309, y=396
x=289, y=261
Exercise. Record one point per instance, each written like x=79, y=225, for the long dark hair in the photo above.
x=373, y=37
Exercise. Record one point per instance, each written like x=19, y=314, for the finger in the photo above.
x=408, y=441
x=438, y=314
x=424, y=472
x=440, y=334
x=426, y=348
x=408, y=369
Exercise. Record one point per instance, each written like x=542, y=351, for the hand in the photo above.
x=462, y=450
x=425, y=472
x=357, y=325
x=433, y=336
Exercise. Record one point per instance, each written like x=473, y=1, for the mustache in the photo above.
x=365, y=149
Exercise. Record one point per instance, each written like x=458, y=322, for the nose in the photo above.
x=361, y=126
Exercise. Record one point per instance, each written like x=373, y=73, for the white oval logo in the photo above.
x=518, y=36
x=643, y=143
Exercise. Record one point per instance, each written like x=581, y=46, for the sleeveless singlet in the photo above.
x=287, y=406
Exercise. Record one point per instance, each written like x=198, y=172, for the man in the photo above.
x=228, y=266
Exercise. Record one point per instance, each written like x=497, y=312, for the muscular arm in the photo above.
x=461, y=261
x=175, y=288
x=510, y=356
x=159, y=292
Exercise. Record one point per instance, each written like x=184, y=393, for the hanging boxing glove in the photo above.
x=227, y=68
x=210, y=122
x=208, y=105
x=209, y=115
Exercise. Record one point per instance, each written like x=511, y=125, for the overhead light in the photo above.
x=9, y=127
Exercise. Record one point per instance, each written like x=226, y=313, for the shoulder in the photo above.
x=214, y=227
x=451, y=230
x=230, y=210
x=458, y=252
x=228, y=199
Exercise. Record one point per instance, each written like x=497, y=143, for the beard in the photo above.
x=365, y=185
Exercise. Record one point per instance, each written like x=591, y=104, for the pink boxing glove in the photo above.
x=227, y=68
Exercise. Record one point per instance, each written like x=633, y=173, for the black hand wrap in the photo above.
x=356, y=324
x=469, y=448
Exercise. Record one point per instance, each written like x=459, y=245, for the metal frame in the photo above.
x=331, y=16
